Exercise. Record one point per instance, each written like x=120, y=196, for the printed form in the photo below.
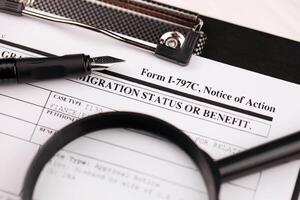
x=224, y=109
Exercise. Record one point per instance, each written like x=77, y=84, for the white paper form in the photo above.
x=223, y=108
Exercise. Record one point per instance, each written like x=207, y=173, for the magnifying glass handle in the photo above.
x=264, y=156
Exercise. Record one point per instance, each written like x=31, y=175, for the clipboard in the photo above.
x=147, y=20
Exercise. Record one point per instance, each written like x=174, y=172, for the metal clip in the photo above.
x=175, y=47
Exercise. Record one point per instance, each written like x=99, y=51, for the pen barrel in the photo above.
x=259, y=158
x=37, y=69
x=8, y=71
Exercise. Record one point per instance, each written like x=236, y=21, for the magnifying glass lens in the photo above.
x=120, y=164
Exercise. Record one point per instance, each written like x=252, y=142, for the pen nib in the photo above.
x=103, y=62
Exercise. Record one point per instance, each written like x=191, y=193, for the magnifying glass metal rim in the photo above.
x=132, y=120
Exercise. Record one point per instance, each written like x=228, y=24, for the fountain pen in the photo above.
x=26, y=70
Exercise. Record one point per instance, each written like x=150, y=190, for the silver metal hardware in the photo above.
x=172, y=39
x=51, y=17
x=199, y=25
x=173, y=45
x=27, y=2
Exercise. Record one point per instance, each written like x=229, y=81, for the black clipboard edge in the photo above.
x=252, y=50
x=296, y=193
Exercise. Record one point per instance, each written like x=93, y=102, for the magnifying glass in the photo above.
x=125, y=155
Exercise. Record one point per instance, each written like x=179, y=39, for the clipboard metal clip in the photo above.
x=173, y=46
x=177, y=48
